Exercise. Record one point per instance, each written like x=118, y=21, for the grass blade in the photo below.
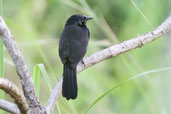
x=36, y=79
x=36, y=76
x=1, y=8
x=1, y=70
x=45, y=75
x=121, y=83
x=146, y=19
x=1, y=58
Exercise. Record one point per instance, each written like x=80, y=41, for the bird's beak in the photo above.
x=88, y=18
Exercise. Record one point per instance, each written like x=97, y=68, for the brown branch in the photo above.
x=21, y=67
x=16, y=94
x=9, y=107
x=111, y=52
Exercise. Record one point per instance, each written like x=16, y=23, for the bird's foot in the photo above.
x=82, y=62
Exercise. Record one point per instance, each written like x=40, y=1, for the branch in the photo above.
x=111, y=52
x=16, y=94
x=54, y=97
x=21, y=67
x=126, y=45
x=9, y=107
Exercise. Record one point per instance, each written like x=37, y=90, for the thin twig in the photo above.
x=9, y=107
x=21, y=67
x=16, y=94
x=111, y=52
x=54, y=96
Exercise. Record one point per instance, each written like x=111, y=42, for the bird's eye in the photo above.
x=84, y=20
x=80, y=23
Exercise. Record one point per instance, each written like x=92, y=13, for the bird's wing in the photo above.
x=73, y=44
x=78, y=44
x=64, y=46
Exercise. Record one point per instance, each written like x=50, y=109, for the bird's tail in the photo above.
x=69, y=86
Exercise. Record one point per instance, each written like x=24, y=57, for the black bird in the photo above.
x=72, y=48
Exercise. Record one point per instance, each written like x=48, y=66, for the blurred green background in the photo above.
x=37, y=25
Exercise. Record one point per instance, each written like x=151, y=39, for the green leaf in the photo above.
x=1, y=70
x=1, y=58
x=45, y=75
x=36, y=77
x=121, y=83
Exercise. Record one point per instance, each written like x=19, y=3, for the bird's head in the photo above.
x=79, y=20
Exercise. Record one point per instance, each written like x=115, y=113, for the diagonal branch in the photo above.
x=21, y=67
x=126, y=45
x=54, y=97
x=16, y=94
x=9, y=107
x=111, y=52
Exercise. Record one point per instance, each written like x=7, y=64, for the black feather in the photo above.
x=69, y=87
x=72, y=48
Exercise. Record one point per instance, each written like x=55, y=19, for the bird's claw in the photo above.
x=82, y=62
